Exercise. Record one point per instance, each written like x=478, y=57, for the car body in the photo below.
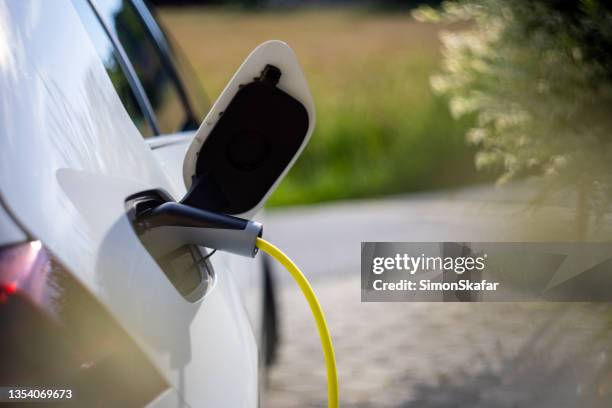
x=95, y=113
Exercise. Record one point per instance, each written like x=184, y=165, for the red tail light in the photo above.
x=24, y=268
x=55, y=334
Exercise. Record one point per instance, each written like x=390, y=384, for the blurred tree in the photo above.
x=538, y=73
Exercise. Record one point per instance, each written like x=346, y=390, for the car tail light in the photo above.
x=55, y=334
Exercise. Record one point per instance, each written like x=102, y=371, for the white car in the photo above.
x=98, y=112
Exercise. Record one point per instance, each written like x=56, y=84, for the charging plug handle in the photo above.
x=171, y=225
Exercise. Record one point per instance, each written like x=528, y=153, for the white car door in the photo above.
x=76, y=172
x=70, y=157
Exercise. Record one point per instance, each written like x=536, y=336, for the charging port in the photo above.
x=187, y=267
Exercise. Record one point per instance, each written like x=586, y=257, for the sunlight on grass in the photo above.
x=379, y=128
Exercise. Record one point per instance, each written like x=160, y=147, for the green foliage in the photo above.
x=385, y=134
x=538, y=76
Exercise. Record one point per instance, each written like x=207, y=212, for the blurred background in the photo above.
x=477, y=120
x=380, y=129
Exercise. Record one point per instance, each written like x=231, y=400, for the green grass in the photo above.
x=379, y=128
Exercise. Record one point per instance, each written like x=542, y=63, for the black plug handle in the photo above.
x=171, y=225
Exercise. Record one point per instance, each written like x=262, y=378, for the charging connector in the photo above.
x=172, y=225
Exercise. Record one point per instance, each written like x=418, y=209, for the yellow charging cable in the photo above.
x=326, y=343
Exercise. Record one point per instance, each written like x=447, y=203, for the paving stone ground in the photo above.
x=438, y=355
x=432, y=355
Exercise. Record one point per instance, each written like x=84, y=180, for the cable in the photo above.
x=211, y=253
x=326, y=343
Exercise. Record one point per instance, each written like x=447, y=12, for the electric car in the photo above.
x=101, y=120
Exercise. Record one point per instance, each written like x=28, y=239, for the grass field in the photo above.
x=379, y=128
